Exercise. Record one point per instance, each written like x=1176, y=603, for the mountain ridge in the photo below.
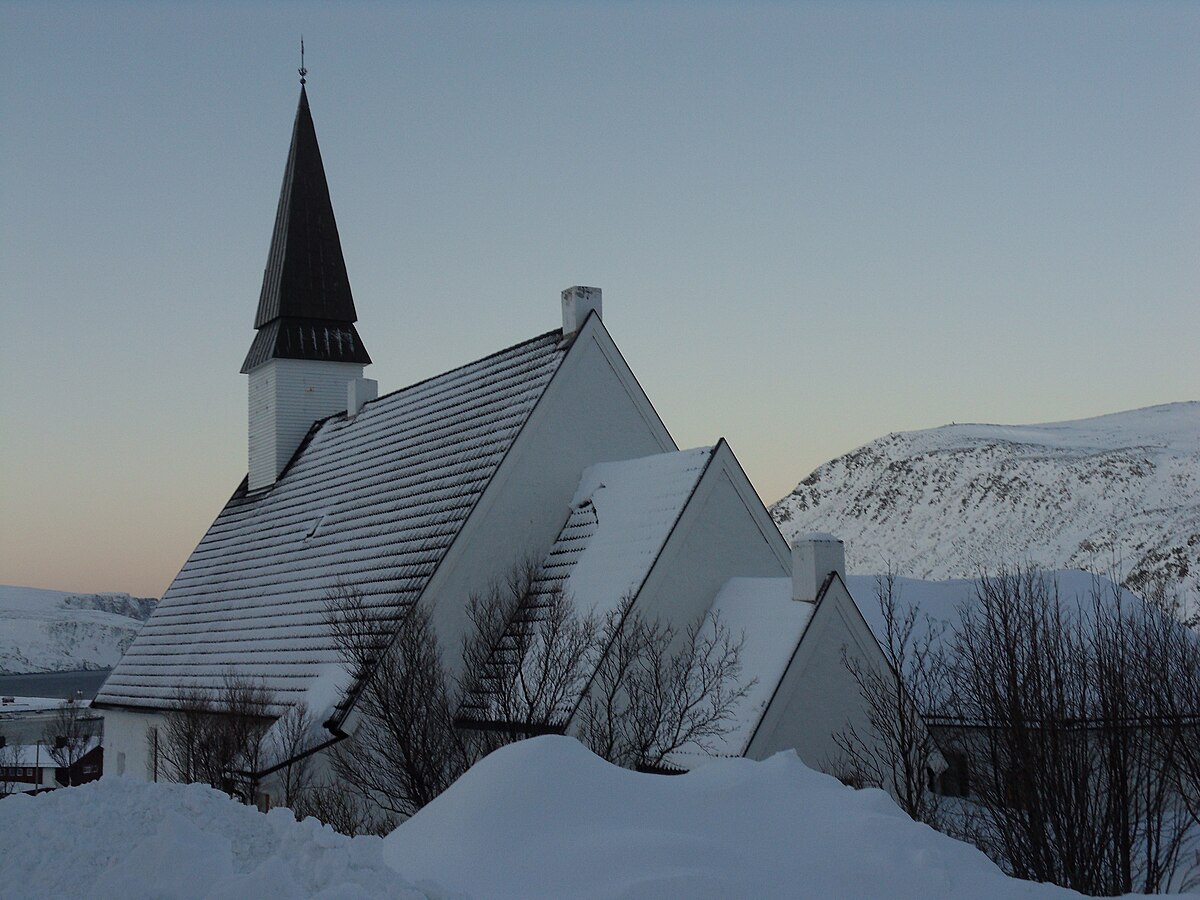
x=62, y=631
x=1117, y=493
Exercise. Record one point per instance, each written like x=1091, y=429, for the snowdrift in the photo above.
x=544, y=818
x=117, y=838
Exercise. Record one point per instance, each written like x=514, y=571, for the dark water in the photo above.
x=54, y=684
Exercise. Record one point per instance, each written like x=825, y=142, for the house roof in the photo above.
x=372, y=502
x=305, y=308
x=39, y=755
x=762, y=613
x=621, y=517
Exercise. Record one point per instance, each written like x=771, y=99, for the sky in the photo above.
x=813, y=224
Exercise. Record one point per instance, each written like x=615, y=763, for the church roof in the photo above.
x=373, y=502
x=305, y=308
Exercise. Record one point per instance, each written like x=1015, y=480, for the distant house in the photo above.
x=31, y=768
x=547, y=449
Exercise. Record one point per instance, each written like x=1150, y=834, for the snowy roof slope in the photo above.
x=762, y=613
x=621, y=516
x=373, y=503
x=635, y=504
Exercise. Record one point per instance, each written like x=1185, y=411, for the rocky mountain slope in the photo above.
x=53, y=631
x=1118, y=491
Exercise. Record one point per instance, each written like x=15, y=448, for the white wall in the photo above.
x=127, y=749
x=592, y=411
x=723, y=533
x=285, y=397
x=818, y=696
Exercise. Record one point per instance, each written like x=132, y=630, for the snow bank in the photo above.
x=121, y=838
x=546, y=818
x=543, y=818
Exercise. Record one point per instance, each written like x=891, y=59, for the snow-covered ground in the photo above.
x=543, y=818
x=1121, y=489
x=55, y=631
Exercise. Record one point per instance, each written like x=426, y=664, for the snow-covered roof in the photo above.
x=10, y=705
x=621, y=516
x=631, y=507
x=372, y=502
x=762, y=613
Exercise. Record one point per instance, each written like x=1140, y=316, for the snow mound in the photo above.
x=56, y=631
x=546, y=818
x=118, y=838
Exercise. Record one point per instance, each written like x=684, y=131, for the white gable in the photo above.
x=631, y=507
x=762, y=613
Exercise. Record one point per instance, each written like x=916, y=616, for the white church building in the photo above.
x=548, y=450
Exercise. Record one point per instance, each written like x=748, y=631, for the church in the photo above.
x=548, y=450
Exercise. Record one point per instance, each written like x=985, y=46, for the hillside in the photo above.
x=54, y=631
x=942, y=503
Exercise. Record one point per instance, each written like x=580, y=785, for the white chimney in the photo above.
x=358, y=392
x=577, y=302
x=814, y=556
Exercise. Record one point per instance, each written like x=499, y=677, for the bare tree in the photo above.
x=342, y=810
x=895, y=750
x=212, y=737
x=657, y=690
x=69, y=735
x=291, y=741
x=405, y=750
x=1077, y=717
x=526, y=657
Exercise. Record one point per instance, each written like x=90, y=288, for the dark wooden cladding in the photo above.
x=305, y=284
x=306, y=339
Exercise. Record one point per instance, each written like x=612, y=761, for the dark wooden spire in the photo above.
x=305, y=309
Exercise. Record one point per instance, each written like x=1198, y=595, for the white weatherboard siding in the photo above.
x=592, y=410
x=286, y=397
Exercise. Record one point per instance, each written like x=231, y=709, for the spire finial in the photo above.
x=303, y=71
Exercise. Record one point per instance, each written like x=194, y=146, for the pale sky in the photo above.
x=813, y=224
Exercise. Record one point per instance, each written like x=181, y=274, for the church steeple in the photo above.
x=307, y=359
x=305, y=308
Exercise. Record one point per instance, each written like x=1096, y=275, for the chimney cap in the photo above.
x=820, y=537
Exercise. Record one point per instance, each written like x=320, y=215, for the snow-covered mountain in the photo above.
x=53, y=631
x=1121, y=489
